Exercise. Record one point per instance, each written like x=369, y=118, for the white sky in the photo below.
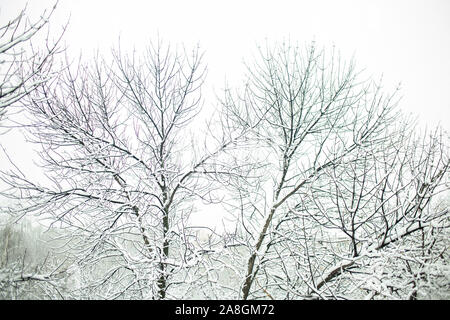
x=407, y=41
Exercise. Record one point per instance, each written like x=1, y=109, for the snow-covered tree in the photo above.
x=123, y=172
x=374, y=224
x=27, y=53
x=24, y=65
x=331, y=191
x=335, y=183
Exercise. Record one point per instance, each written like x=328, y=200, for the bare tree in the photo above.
x=373, y=224
x=24, y=66
x=123, y=172
x=332, y=195
x=315, y=117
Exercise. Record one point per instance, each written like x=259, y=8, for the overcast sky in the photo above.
x=405, y=40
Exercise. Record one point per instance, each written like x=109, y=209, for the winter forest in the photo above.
x=330, y=190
